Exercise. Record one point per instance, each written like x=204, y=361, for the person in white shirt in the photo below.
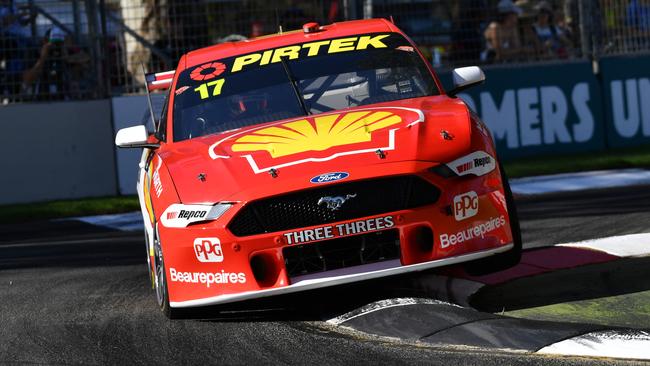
x=552, y=40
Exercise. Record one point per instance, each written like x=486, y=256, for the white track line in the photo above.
x=633, y=245
x=384, y=304
x=131, y=221
x=580, y=181
x=633, y=344
x=624, y=246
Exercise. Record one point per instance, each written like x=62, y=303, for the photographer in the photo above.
x=58, y=71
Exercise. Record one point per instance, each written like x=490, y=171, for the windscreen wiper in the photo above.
x=294, y=86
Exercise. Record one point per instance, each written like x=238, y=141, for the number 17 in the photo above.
x=203, y=88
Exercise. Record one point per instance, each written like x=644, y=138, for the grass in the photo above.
x=605, y=311
x=69, y=208
x=626, y=158
x=638, y=157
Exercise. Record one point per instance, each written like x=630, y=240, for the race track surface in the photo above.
x=78, y=296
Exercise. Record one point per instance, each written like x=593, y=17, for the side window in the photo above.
x=161, y=129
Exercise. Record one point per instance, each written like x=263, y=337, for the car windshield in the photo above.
x=296, y=80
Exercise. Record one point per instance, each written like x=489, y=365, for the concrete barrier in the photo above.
x=53, y=151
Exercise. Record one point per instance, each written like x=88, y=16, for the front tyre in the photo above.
x=152, y=278
x=160, y=281
x=502, y=261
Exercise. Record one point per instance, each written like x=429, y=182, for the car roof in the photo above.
x=334, y=30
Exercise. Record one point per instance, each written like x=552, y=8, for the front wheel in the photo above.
x=160, y=282
x=152, y=278
x=502, y=261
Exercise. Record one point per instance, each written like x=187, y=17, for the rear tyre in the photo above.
x=502, y=261
x=160, y=281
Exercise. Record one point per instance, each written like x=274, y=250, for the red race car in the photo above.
x=313, y=158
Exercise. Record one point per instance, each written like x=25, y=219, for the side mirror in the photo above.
x=135, y=136
x=466, y=77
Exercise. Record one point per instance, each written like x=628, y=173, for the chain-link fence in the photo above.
x=158, y=32
x=81, y=49
x=45, y=51
x=625, y=26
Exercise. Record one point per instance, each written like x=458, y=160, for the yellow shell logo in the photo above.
x=325, y=132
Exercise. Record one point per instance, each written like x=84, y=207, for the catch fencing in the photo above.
x=88, y=49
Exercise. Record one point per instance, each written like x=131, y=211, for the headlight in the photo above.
x=218, y=210
x=179, y=215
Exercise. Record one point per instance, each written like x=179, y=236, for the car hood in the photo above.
x=284, y=155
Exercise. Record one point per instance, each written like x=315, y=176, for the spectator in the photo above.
x=503, y=43
x=77, y=64
x=526, y=19
x=58, y=71
x=638, y=15
x=527, y=8
x=468, y=24
x=552, y=41
x=293, y=17
x=572, y=19
x=14, y=19
x=14, y=42
x=560, y=22
x=638, y=19
x=257, y=29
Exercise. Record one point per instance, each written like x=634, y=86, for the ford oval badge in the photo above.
x=329, y=177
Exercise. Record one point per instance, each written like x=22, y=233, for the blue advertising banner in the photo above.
x=540, y=109
x=626, y=84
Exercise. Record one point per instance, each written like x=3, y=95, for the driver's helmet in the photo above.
x=250, y=103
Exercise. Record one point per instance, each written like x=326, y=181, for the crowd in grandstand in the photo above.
x=518, y=36
x=52, y=63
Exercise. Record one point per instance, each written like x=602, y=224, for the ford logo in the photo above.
x=329, y=177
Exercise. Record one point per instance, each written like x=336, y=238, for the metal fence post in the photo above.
x=95, y=46
x=367, y=9
x=76, y=20
x=32, y=27
x=585, y=26
x=596, y=30
x=103, y=45
x=350, y=9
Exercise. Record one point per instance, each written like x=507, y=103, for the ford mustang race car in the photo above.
x=312, y=158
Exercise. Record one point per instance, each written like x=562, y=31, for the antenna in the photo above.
x=146, y=86
x=391, y=19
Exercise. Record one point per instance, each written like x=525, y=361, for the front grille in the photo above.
x=300, y=209
x=341, y=253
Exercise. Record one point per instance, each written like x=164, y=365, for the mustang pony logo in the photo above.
x=321, y=134
x=316, y=139
x=334, y=203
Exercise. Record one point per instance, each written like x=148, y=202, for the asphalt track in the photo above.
x=70, y=294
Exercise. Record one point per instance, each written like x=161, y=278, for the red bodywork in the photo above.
x=207, y=264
